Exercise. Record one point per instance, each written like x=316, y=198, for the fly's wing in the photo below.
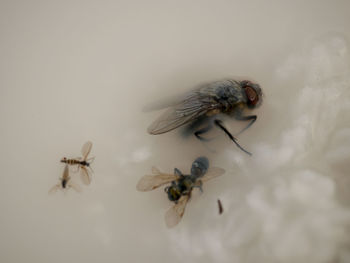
x=150, y=182
x=65, y=172
x=85, y=150
x=54, y=189
x=175, y=213
x=163, y=103
x=155, y=170
x=212, y=173
x=90, y=160
x=74, y=186
x=85, y=175
x=193, y=106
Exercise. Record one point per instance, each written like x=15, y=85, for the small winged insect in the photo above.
x=181, y=186
x=200, y=109
x=65, y=182
x=83, y=163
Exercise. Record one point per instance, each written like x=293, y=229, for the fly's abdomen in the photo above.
x=64, y=183
x=71, y=161
x=200, y=166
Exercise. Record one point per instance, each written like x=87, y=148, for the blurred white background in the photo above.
x=73, y=71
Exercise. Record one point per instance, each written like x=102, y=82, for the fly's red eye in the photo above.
x=251, y=95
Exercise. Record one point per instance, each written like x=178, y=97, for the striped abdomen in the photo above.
x=70, y=161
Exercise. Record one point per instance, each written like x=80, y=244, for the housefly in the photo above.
x=83, y=163
x=65, y=182
x=200, y=109
x=181, y=186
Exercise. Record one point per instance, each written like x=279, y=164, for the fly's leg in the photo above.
x=91, y=169
x=251, y=118
x=178, y=172
x=199, y=184
x=166, y=189
x=222, y=127
x=77, y=168
x=202, y=131
x=90, y=160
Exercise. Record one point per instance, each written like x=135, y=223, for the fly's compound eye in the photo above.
x=252, y=96
x=253, y=93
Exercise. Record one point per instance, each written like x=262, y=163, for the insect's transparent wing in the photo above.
x=155, y=170
x=85, y=150
x=212, y=173
x=91, y=159
x=194, y=105
x=85, y=175
x=164, y=103
x=175, y=213
x=65, y=175
x=75, y=168
x=54, y=188
x=74, y=186
x=150, y=182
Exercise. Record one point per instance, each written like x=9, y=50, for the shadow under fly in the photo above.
x=203, y=106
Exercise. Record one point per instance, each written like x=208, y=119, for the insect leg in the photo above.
x=91, y=168
x=177, y=172
x=166, y=189
x=222, y=127
x=90, y=160
x=199, y=184
x=202, y=131
x=251, y=118
x=75, y=168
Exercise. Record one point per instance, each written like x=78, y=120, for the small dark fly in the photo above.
x=65, y=182
x=203, y=106
x=181, y=186
x=83, y=163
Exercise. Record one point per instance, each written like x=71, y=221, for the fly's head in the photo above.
x=253, y=93
x=64, y=160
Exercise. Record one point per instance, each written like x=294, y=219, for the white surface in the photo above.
x=73, y=71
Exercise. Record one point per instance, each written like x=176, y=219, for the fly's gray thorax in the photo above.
x=193, y=178
x=230, y=96
x=186, y=183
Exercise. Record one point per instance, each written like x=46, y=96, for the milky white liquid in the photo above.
x=73, y=71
